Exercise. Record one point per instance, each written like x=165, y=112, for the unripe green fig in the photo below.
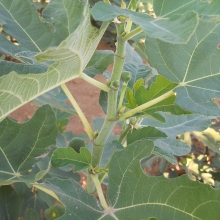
x=76, y=143
x=95, y=134
x=108, y=82
x=54, y=212
x=126, y=76
x=115, y=85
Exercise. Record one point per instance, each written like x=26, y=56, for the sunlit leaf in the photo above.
x=70, y=58
x=210, y=138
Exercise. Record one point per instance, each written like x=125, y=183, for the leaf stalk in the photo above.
x=146, y=105
x=132, y=33
x=123, y=90
x=86, y=124
x=99, y=191
x=128, y=26
x=124, y=132
x=111, y=116
x=94, y=82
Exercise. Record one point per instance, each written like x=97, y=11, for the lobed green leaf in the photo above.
x=99, y=62
x=208, y=10
x=157, y=197
x=66, y=156
x=169, y=145
x=175, y=29
x=69, y=59
x=186, y=65
x=175, y=125
x=78, y=203
x=9, y=200
x=23, y=145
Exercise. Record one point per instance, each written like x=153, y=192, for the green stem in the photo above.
x=132, y=5
x=116, y=73
x=100, y=141
x=111, y=117
x=123, y=90
x=146, y=105
x=94, y=82
x=86, y=124
x=103, y=175
x=47, y=191
x=124, y=132
x=132, y=33
x=99, y=191
x=90, y=187
x=128, y=26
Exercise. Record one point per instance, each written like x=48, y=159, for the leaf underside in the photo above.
x=69, y=58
